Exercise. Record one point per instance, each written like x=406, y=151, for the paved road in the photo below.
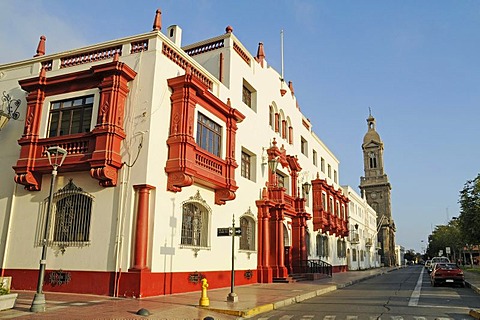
x=404, y=294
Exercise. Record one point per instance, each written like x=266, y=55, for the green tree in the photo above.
x=469, y=220
x=446, y=236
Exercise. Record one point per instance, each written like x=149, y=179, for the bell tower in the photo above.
x=375, y=187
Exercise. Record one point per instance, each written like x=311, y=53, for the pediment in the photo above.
x=372, y=144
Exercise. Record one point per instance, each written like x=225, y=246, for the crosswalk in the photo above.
x=349, y=317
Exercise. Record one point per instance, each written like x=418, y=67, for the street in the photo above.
x=403, y=294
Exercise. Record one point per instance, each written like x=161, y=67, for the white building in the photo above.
x=362, y=250
x=165, y=145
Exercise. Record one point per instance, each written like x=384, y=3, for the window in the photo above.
x=247, y=96
x=314, y=156
x=354, y=255
x=245, y=167
x=322, y=245
x=280, y=180
x=330, y=206
x=247, y=240
x=335, y=178
x=324, y=201
x=194, y=224
x=329, y=171
x=70, y=116
x=271, y=117
x=322, y=164
x=209, y=135
x=304, y=146
x=372, y=160
x=341, y=248
x=70, y=218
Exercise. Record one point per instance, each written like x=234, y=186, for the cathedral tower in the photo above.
x=376, y=188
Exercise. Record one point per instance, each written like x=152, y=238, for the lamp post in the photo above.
x=306, y=188
x=56, y=156
x=358, y=245
x=272, y=165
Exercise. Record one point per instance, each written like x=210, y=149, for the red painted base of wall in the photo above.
x=130, y=284
x=336, y=269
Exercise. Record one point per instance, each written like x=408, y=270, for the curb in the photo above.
x=474, y=313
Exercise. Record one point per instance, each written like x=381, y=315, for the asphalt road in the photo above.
x=403, y=294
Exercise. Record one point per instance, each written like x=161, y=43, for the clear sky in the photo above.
x=416, y=64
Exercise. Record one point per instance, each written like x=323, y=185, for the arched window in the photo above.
x=70, y=218
x=373, y=160
x=247, y=225
x=195, y=222
x=271, y=117
x=322, y=246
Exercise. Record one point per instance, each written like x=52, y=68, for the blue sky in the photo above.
x=414, y=63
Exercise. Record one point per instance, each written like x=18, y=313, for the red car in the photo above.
x=446, y=273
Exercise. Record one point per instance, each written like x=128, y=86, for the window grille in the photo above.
x=247, y=240
x=322, y=246
x=195, y=222
x=70, y=218
x=70, y=116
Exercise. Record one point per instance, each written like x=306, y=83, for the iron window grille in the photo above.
x=194, y=225
x=71, y=218
x=247, y=240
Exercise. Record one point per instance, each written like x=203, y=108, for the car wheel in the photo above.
x=463, y=284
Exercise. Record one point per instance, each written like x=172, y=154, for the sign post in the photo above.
x=232, y=232
x=232, y=296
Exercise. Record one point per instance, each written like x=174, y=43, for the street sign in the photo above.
x=447, y=250
x=223, y=232
x=238, y=231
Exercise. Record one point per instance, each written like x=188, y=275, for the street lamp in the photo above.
x=272, y=165
x=56, y=156
x=306, y=188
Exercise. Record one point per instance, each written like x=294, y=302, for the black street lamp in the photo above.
x=56, y=156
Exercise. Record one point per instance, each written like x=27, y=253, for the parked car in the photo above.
x=447, y=273
x=436, y=260
x=427, y=264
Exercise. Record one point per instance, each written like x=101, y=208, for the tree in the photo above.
x=469, y=220
x=446, y=236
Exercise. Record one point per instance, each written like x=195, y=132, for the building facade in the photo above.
x=362, y=250
x=167, y=147
x=376, y=188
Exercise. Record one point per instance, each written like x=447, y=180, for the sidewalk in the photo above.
x=252, y=300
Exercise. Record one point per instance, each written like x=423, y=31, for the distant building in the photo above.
x=376, y=188
x=362, y=220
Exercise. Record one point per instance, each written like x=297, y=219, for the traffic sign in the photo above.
x=238, y=231
x=223, y=232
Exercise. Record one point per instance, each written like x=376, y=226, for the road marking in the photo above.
x=416, y=292
x=352, y=317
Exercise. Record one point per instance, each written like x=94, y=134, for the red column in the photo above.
x=141, y=234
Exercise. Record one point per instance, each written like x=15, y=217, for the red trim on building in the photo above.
x=274, y=206
x=325, y=217
x=186, y=161
x=132, y=284
x=97, y=151
x=141, y=234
